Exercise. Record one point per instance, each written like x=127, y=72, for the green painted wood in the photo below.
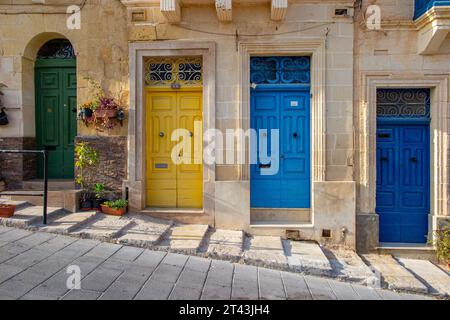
x=56, y=124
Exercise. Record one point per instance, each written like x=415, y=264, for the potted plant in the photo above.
x=115, y=208
x=442, y=244
x=86, y=157
x=99, y=192
x=7, y=210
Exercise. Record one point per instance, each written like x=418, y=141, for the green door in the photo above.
x=56, y=111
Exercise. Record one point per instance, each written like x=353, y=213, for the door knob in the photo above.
x=161, y=134
x=413, y=159
x=295, y=135
x=384, y=158
x=282, y=156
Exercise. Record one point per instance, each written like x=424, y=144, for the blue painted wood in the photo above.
x=422, y=6
x=288, y=110
x=403, y=187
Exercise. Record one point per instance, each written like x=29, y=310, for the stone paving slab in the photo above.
x=265, y=251
x=28, y=216
x=69, y=222
x=226, y=244
x=146, y=232
x=187, y=238
x=395, y=276
x=271, y=285
x=15, y=248
x=306, y=257
x=296, y=287
x=103, y=228
x=437, y=280
x=13, y=235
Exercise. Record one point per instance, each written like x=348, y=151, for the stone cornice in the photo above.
x=435, y=13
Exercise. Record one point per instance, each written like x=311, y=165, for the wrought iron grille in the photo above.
x=403, y=103
x=163, y=72
x=56, y=49
x=280, y=70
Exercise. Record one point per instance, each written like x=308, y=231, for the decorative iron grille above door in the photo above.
x=280, y=70
x=403, y=103
x=165, y=72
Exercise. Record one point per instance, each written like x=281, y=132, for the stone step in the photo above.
x=103, y=228
x=265, y=251
x=186, y=238
x=69, y=222
x=188, y=216
x=225, y=244
x=30, y=217
x=435, y=279
x=416, y=251
x=145, y=231
x=53, y=185
x=306, y=257
x=67, y=199
x=393, y=274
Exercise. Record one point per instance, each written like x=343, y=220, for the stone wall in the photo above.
x=15, y=168
x=111, y=170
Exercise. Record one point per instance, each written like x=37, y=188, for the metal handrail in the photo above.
x=45, y=195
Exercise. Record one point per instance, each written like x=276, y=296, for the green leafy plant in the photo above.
x=99, y=190
x=86, y=157
x=116, y=204
x=442, y=244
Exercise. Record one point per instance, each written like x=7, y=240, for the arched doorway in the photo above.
x=56, y=106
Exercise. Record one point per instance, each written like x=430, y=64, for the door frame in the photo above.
x=439, y=126
x=137, y=114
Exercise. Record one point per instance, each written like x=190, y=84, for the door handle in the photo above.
x=282, y=156
x=384, y=159
x=414, y=159
x=161, y=134
x=295, y=135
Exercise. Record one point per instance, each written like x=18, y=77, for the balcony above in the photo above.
x=422, y=6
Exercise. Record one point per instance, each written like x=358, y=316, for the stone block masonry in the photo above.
x=111, y=170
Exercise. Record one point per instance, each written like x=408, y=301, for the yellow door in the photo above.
x=173, y=185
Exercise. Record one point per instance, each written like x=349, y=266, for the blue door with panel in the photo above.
x=403, y=165
x=280, y=100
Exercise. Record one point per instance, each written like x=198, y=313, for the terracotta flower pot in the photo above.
x=105, y=113
x=6, y=210
x=113, y=212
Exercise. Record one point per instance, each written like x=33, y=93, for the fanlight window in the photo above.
x=280, y=70
x=166, y=72
x=57, y=49
x=403, y=103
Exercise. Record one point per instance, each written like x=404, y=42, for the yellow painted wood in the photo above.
x=173, y=185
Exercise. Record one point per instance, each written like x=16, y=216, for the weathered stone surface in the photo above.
x=266, y=251
x=437, y=280
x=306, y=257
x=187, y=238
x=28, y=216
x=145, y=232
x=226, y=244
x=69, y=222
x=395, y=276
x=103, y=228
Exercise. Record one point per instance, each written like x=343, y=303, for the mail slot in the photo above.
x=384, y=135
x=161, y=166
x=264, y=166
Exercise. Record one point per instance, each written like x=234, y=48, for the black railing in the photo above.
x=45, y=192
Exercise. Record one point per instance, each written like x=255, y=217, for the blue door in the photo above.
x=403, y=179
x=285, y=107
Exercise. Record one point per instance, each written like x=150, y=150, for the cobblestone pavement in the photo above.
x=34, y=265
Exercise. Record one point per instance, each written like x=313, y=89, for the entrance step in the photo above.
x=408, y=250
x=225, y=244
x=290, y=216
x=103, y=228
x=436, y=279
x=186, y=238
x=53, y=185
x=67, y=199
x=306, y=257
x=265, y=251
x=30, y=217
x=280, y=228
x=69, y=222
x=194, y=216
x=393, y=274
x=145, y=231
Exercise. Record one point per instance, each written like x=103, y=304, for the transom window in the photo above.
x=403, y=103
x=164, y=72
x=56, y=49
x=280, y=70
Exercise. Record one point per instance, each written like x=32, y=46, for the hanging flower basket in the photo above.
x=7, y=210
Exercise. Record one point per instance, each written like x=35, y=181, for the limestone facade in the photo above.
x=348, y=63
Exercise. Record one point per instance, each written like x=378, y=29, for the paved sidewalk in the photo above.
x=33, y=265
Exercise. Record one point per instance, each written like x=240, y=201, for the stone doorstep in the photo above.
x=26, y=217
x=266, y=251
x=307, y=257
x=69, y=222
x=103, y=228
x=145, y=232
x=226, y=244
x=436, y=279
x=395, y=275
x=187, y=238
